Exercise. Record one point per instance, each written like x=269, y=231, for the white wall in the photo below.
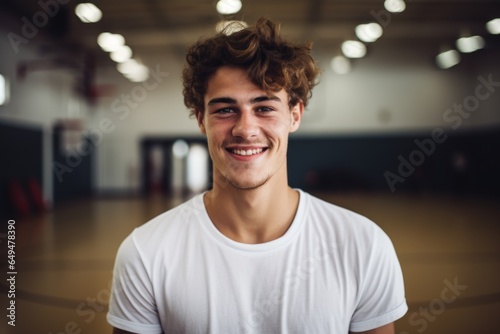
x=133, y=114
x=399, y=89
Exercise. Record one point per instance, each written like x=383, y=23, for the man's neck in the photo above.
x=252, y=216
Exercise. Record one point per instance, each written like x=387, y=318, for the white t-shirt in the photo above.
x=333, y=271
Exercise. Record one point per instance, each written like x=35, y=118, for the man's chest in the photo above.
x=309, y=291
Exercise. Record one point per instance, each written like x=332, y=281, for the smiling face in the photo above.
x=247, y=130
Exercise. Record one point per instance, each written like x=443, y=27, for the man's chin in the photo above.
x=246, y=184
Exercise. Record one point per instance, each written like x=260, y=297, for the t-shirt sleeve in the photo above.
x=382, y=297
x=132, y=306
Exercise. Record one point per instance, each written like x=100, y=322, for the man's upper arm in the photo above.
x=387, y=329
x=132, y=305
x=381, y=297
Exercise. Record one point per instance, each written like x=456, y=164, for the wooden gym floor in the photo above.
x=64, y=261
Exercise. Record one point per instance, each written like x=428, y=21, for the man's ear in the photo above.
x=199, y=118
x=296, y=113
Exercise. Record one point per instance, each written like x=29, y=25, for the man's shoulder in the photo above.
x=350, y=233
x=341, y=221
x=170, y=222
x=328, y=210
x=162, y=238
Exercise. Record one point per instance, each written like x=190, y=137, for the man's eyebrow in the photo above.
x=226, y=100
x=229, y=100
x=265, y=98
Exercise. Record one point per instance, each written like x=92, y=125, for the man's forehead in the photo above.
x=227, y=76
x=235, y=83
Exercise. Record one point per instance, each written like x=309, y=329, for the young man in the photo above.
x=253, y=255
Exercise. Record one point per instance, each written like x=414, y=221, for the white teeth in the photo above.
x=247, y=152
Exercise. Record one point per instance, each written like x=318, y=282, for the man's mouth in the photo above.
x=247, y=152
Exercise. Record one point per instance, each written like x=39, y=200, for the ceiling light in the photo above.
x=493, y=26
x=226, y=7
x=369, y=32
x=353, y=49
x=180, y=148
x=340, y=65
x=133, y=70
x=110, y=42
x=4, y=90
x=229, y=27
x=395, y=6
x=121, y=54
x=448, y=59
x=128, y=66
x=140, y=76
x=88, y=12
x=470, y=44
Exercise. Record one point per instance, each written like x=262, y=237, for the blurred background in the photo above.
x=95, y=140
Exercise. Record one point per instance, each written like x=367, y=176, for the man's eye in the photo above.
x=224, y=111
x=264, y=109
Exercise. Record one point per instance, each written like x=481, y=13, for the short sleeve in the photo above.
x=132, y=307
x=382, y=297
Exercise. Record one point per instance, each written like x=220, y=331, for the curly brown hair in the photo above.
x=272, y=63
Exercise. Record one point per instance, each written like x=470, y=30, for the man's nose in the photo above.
x=246, y=125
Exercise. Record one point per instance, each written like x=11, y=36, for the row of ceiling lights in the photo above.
x=122, y=54
x=367, y=33
x=466, y=44
x=119, y=52
x=370, y=32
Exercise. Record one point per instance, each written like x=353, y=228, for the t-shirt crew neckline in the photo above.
x=292, y=231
